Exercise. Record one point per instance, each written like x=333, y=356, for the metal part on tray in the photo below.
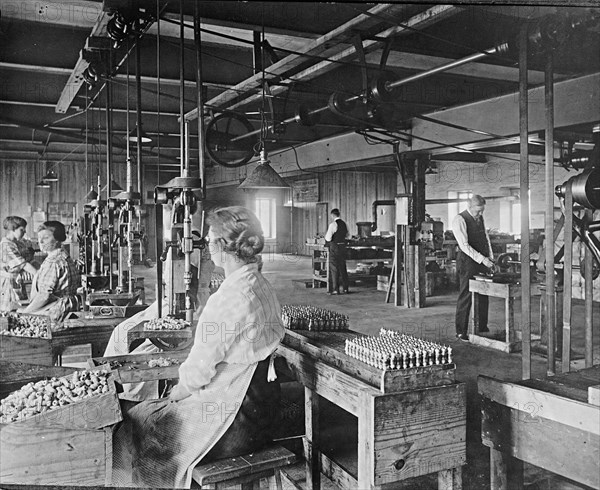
x=394, y=350
x=304, y=317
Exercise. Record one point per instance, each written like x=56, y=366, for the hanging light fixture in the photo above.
x=263, y=176
x=50, y=176
x=114, y=187
x=132, y=137
x=92, y=195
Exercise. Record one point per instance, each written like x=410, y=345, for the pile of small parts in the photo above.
x=50, y=394
x=303, y=317
x=394, y=350
x=28, y=326
x=162, y=362
x=167, y=323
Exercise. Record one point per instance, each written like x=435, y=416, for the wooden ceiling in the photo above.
x=317, y=49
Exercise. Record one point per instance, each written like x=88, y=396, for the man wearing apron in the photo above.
x=474, y=257
x=336, y=239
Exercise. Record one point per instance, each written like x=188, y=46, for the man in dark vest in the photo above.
x=336, y=240
x=475, y=256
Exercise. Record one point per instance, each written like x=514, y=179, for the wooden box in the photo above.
x=134, y=368
x=34, y=350
x=14, y=375
x=329, y=348
x=55, y=456
x=95, y=412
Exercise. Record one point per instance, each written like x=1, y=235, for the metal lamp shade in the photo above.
x=90, y=196
x=264, y=177
x=133, y=136
x=114, y=187
x=51, y=176
x=43, y=185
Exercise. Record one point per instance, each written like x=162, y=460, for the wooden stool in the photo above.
x=246, y=470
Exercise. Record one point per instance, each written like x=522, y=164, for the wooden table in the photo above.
x=552, y=423
x=409, y=422
x=163, y=339
x=507, y=291
x=80, y=330
x=134, y=368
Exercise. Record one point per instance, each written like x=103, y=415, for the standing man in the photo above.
x=475, y=256
x=335, y=238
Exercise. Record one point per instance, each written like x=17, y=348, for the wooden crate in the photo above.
x=34, y=350
x=95, y=412
x=14, y=374
x=163, y=339
x=329, y=348
x=55, y=456
x=134, y=368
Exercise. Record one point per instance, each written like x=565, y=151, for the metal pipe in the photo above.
x=376, y=204
x=499, y=49
x=181, y=92
x=138, y=106
x=568, y=279
x=524, y=192
x=200, y=101
x=589, y=298
x=549, y=224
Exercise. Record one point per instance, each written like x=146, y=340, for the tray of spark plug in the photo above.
x=390, y=362
x=135, y=368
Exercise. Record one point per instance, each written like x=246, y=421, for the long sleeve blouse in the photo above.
x=240, y=324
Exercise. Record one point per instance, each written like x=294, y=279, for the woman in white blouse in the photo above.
x=223, y=405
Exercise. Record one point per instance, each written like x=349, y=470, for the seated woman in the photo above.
x=223, y=405
x=15, y=259
x=118, y=345
x=54, y=287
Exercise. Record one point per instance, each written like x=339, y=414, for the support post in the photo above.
x=550, y=325
x=138, y=118
x=589, y=297
x=524, y=193
x=568, y=280
x=311, y=452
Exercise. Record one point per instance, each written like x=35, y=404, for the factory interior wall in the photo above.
x=493, y=178
x=353, y=193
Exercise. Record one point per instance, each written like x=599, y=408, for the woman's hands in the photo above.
x=179, y=393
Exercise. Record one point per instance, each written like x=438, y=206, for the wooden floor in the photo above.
x=368, y=312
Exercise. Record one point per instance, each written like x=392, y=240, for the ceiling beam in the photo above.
x=421, y=62
x=342, y=53
x=577, y=101
x=52, y=70
x=334, y=44
x=92, y=108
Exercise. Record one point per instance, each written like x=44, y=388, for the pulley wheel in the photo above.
x=227, y=140
x=340, y=105
x=378, y=87
x=304, y=116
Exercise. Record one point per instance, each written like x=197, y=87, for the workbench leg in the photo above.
x=450, y=479
x=474, y=325
x=509, y=312
x=311, y=450
x=506, y=472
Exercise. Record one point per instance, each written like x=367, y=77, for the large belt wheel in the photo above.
x=226, y=143
x=340, y=105
x=378, y=87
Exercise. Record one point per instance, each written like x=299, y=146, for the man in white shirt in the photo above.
x=336, y=240
x=474, y=256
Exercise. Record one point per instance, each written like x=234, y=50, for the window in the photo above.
x=265, y=211
x=456, y=207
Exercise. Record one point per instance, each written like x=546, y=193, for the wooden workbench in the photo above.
x=407, y=427
x=507, y=291
x=552, y=423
